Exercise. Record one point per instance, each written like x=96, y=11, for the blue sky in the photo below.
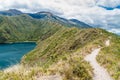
x=101, y=13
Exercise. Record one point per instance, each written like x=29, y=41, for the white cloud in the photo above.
x=117, y=31
x=88, y=11
x=110, y=3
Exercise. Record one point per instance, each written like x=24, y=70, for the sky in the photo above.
x=98, y=13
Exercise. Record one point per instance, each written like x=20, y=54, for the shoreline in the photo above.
x=19, y=42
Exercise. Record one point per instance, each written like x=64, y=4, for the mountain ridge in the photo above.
x=11, y=12
x=46, y=15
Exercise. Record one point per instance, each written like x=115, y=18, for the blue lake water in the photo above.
x=11, y=54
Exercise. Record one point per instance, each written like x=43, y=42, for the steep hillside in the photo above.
x=65, y=41
x=64, y=52
x=69, y=46
x=25, y=28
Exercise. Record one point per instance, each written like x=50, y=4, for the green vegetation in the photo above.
x=60, y=49
x=54, y=40
x=64, y=42
x=24, y=28
x=65, y=51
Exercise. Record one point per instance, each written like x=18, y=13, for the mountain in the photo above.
x=25, y=28
x=11, y=12
x=60, y=48
x=46, y=16
x=42, y=15
x=63, y=21
x=77, y=22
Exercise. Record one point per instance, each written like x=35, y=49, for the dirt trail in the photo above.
x=100, y=73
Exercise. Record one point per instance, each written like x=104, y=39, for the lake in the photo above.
x=11, y=54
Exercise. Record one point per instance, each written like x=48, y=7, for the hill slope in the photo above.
x=69, y=47
x=63, y=42
x=63, y=53
x=60, y=49
x=25, y=28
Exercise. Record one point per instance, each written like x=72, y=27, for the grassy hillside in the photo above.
x=25, y=28
x=67, y=48
x=63, y=50
x=63, y=53
x=64, y=42
x=60, y=50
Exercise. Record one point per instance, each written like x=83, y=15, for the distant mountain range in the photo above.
x=18, y=26
x=11, y=12
x=49, y=16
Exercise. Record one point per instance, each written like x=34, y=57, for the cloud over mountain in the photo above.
x=99, y=13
